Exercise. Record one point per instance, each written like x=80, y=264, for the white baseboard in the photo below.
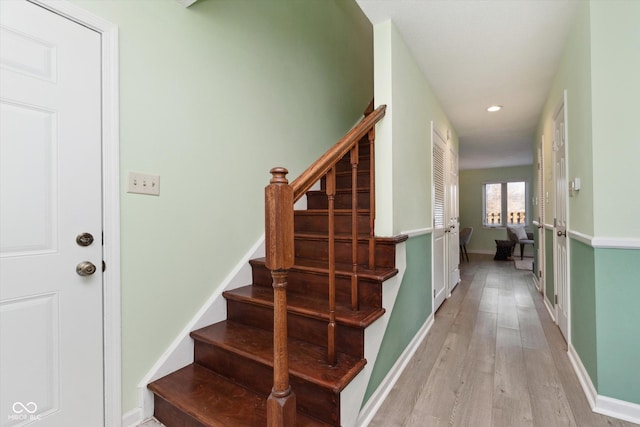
x=481, y=251
x=616, y=408
x=604, y=405
x=547, y=304
x=536, y=282
x=132, y=418
x=377, y=398
x=583, y=376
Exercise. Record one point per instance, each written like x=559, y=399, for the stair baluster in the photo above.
x=354, y=228
x=331, y=328
x=372, y=200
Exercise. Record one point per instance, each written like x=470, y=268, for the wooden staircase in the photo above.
x=233, y=369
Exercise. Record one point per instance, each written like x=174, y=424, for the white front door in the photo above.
x=51, y=332
x=440, y=220
x=454, y=225
x=560, y=247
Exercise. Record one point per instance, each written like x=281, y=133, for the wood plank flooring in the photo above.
x=493, y=358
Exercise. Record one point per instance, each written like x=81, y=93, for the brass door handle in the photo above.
x=562, y=234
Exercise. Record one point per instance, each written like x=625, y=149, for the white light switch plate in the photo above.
x=143, y=183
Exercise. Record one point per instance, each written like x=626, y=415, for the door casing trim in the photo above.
x=110, y=200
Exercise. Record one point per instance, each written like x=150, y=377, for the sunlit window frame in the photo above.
x=503, y=214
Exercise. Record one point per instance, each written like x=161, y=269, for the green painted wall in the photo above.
x=471, y=181
x=410, y=312
x=403, y=139
x=211, y=98
x=615, y=59
x=574, y=75
x=617, y=273
x=598, y=69
x=583, y=306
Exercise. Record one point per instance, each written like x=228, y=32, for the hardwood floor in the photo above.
x=492, y=358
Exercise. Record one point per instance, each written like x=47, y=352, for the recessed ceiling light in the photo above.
x=494, y=108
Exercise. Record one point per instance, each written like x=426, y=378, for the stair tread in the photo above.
x=322, y=267
x=308, y=305
x=214, y=400
x=306, y=361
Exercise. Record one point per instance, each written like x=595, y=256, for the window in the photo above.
x=504, y=203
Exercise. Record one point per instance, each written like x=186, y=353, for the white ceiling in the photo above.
x=476, y=53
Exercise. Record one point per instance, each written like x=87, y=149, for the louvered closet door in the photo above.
x=440, y=222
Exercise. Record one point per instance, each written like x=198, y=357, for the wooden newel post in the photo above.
x=281, y=404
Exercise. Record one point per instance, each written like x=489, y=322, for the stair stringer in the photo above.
x=180, y=352
x=353, y=394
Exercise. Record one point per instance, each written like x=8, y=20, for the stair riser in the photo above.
x=348, y=340
x=319, y=250
x=342, y=201
x=343, y=181
x=318, y=222
x=310, y=398
x=344, y=165
x=316, y=284
x=171, y=416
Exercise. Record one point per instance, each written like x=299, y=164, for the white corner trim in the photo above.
x=604, y=405
x=616, y=408
x=180, y=352
x=377, y=398
x=584, y=378
x=418, y=232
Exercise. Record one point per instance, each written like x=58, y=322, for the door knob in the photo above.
x=85, y=268
x=561, y=234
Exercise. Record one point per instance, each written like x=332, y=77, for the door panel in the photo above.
x=454, y=225
x=440, y=222
x=560, y=247
x=51, y=351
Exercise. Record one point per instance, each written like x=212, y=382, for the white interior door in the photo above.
x=51, y=334
x=541, y=220
x=452, y=215
x=440, y=221
x=560, y=247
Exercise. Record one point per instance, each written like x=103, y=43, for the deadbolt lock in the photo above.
x=84, y=239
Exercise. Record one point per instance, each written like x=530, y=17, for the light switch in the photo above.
x=143, y=183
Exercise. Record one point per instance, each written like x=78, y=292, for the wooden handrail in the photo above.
x=320, y=167
x=279, y=249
